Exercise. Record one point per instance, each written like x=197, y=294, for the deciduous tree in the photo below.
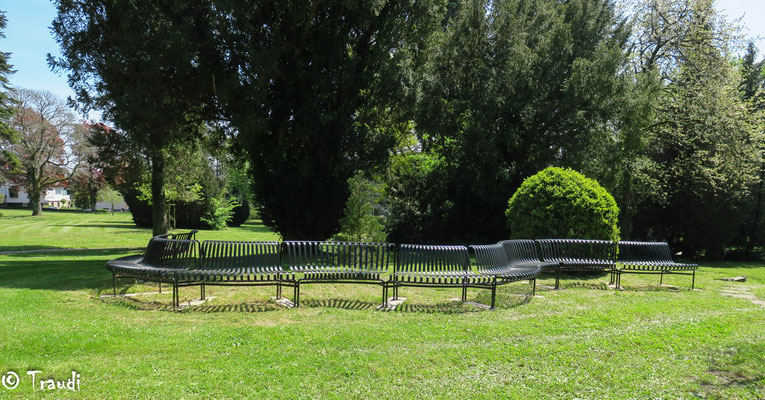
x=49, y=146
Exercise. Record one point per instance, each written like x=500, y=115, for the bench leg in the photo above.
x=395, y=292
x=114, y=282
x=464, y=294
x=278, y=290
x=533, y=287
x=384, y=296
x=202, y=291
x=297, y=294
x=661, y=278
x=693, y=280
x=160, y=287
x=493, y=295
x=557, y=278
x=176, y=301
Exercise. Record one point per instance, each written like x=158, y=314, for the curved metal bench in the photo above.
x=179, y=236
x=651, y=258
x=162, y=262
x=579, y=255
x=437, y=266
x=239, y=263
x=339, y=262
x=491, y=260
x=523, y=252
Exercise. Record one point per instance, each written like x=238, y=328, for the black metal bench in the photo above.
x=492, y=261
x=179, y=236
x=238, y=263
x=579, y=255
x=523, y=252
x=339, y=262
x=438, y=266
x=651, y=258
x=162, y=262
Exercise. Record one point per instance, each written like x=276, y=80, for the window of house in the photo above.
x=13, y=192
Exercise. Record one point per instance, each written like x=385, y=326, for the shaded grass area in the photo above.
x=64, y=230
x=585, y=341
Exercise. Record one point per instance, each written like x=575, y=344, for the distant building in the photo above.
x=16, y=197
x=120, y=205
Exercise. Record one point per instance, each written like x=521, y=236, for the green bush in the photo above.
x=220, y=213
x=562, y=203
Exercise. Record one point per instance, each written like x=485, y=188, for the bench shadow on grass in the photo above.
x=504, y=301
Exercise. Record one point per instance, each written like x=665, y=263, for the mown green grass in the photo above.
x=585, y=341
x=81, y=230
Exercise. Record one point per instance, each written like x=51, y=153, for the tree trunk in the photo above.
x=93, y=203
x=159, y=221
x=35, y=195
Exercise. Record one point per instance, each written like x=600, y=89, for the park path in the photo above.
x=742, y=292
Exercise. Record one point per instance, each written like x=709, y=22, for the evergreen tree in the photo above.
x=509, y=87
x=7, y=107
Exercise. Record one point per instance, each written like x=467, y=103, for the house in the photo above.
x=16, y=197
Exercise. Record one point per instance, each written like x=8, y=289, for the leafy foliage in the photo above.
x=508, y=88
x=86, y=185
x=562, y=203
x=310, y=87
x=138, y=63
x=704, y=143
x=111, y=196
x=221, y=213
x=359, y=222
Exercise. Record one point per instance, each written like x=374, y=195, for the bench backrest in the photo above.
x=644, y=251
x=261, y=256
x=429, y=258
x=330, y=256
x=520, y=251
x=578, y=251
x=171, y=253
x=179, y=236
x=489, y=256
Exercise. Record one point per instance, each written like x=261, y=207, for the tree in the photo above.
x=49, y=145
x=139, y=63
x=752, y=93
x=311, y=87
x=86, y=186
x=704, y=143
x=359, y=222
x=509, y=88
x=110, y=196
x=7, y=107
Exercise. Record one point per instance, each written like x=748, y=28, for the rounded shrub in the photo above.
x=562, y=203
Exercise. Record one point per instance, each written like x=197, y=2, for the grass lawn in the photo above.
x=585, y=341
x=81, y=230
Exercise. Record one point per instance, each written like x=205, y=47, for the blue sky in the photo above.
x=29, y=40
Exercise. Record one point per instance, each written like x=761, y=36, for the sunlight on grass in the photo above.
x=584, y=341
x=63, y=230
